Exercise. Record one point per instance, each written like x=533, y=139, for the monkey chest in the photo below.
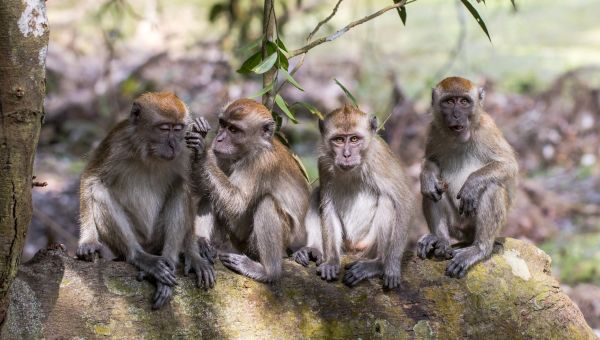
x=355, y=210
x=457, y=173
x=143, y=202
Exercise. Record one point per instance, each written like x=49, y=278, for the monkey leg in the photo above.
x=332, y=243
x=362, y=269
x=267, y=240
x=438, y=215
x=114, y=229
x=490, y=217
x=314, y=236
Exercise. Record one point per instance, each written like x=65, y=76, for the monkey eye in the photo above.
x=338, y=140
x=178, y=127
x=233, y=129
x=164, y=127
x=464, y=101
x=354, y=139
x=450, y=101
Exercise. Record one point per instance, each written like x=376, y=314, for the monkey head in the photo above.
x=245, y=126
x=159, y=120
x=347, y=133
x=456, y=103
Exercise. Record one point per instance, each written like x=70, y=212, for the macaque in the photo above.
x=363, y=201
x=468, y=178
x=134, y=198
x=257, y=190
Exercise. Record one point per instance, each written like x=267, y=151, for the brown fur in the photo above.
x=167, y=104
x=478, y=176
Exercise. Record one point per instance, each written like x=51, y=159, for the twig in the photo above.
x=345, y=29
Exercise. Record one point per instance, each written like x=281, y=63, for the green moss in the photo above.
x=423, y=330
x=125, y=286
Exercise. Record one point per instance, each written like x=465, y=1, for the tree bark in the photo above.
x=509, y=296
x=23, y=46
x=269, y=35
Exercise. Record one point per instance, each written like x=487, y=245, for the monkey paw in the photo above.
x=88, y=251
x=205, y=273
x=468, y=196
x=163, y=295
x=463, y=259
x=328, y=271
x=161, y=269
x=194, y=141
x=206, y=249
x=391, y=280
x=433, y=187
x=360, y=270
x=306, y=254
x=201, y=126
x=430, y=244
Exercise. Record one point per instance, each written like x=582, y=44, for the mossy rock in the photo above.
x=510, y=296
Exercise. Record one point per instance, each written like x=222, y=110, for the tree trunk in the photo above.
x=23, y=46
x=268, y=35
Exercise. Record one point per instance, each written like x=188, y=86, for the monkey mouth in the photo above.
x=457, y=128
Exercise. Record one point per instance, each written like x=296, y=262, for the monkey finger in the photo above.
x=350, y=265
x=141, y=276
x=187, y=267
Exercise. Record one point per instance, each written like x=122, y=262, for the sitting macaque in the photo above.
x=364, y=202
x=468, y=178
x=257, y=190
x=134, y=195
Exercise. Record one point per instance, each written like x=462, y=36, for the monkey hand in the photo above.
x=201, y=126
x=195, y=142
x=88, y=251
x=469, y=197
x=432, y=186
x=206, y=249
x=205, y=273
x=306, y=254
x=391, y=278
x=329, y=270
x=158, y=267
x=431, y=244
x=163, y=295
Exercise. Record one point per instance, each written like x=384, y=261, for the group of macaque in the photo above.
x=154, y=190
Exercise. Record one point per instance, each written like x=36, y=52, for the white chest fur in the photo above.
x=457, y=173
x=356, y=206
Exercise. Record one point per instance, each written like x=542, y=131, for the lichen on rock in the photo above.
x=511, y=295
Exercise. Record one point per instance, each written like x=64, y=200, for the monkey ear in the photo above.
x=374, y=123
x=136, y=110
x=481, y=94
x=321, y=125
x=268, y=130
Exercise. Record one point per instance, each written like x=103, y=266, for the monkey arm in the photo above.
x=432, y=185
x=176, y=218
x=497, y=171
x=232, y=201
x=332, y=240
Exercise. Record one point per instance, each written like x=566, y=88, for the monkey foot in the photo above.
x=431, y=245
x=463, y=259
x=328, y=271
x=360, y=270
x=89, y=251
x=306, y=254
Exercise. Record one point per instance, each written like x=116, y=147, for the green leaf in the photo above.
x=262, y=91
x=281, y=45
x=216, y=10
x=311, y=109
x=282, y=61
x=401, y=12
x=477, y=17
x=348, y=94
x=283, y=106
x=514, y=4
x=266, y=64
x=251, y=46
x=301, y=165
x=293, y=81
x=250, y=63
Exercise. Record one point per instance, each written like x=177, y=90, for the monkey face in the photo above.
x=457, y=112
x=229, y=141
x=168, y=141
x=347, y=149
